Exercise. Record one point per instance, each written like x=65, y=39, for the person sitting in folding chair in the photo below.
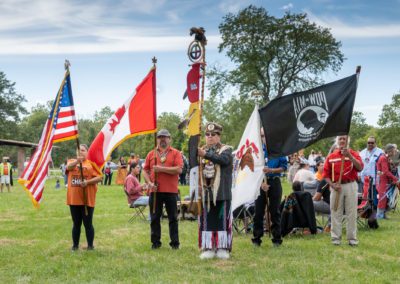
x=321, y=200
x=134, y=190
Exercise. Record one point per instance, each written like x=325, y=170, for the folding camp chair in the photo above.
x=243, y=218
x=138, y=210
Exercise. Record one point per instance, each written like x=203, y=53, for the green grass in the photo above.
x=35, y=248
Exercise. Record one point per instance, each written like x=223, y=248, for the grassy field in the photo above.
x=35, y=248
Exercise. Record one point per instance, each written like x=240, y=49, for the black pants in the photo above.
x=108, y=178
x=274, y=199
x=182, y=179
x=169, y=199
x=78, y=215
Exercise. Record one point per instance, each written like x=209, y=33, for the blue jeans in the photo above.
x=142, y=200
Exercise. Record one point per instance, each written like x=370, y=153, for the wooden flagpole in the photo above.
x=67, y=64
x=201, y=105
x=336, y=205
x=154, y=60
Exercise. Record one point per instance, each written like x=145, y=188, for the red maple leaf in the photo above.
x=118, y=114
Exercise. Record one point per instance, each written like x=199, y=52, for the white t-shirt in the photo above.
x=311, y=159
x=304, y=175
x=369, y=159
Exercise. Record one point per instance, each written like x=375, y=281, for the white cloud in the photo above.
x=341, y=29
x=173, y=17
x=71, y=27
x=287, y=7
x=233, y=6
x=107, y=45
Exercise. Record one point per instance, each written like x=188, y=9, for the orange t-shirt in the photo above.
x=5, y=170
x=75, y=191
x=165, y=182
x=318, y=176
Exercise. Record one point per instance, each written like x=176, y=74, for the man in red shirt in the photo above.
x=345, y=186
x=161, y=172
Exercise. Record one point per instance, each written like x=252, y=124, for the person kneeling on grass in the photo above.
x=81, y=194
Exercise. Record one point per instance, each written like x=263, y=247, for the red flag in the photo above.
x=193, y=79
x=135, y=117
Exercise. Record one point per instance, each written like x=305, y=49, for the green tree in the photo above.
x=31, y=126
x=232, y=115
x=274, y=55
x=359, y=131
x=389, y=121
x=11, y=108
x=170, y=121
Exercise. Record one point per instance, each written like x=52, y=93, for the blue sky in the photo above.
x=110, y=44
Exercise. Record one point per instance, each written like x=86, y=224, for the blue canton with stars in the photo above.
x=65, y=100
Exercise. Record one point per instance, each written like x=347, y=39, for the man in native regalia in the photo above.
x=215, y=222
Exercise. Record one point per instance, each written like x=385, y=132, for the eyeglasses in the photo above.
x=209, y=134
x=371, y=143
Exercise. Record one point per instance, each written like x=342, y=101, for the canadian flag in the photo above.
x=135, y=117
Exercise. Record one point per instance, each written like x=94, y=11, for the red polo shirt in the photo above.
x=333, y=163
x=165, y=182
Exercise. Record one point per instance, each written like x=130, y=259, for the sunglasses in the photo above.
x=371, y=142
x=209, y=134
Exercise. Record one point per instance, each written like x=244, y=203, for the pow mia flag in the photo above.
x=298, y=120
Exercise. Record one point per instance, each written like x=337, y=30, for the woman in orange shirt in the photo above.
x=76, y=198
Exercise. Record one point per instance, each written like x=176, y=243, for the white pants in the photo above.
x=347, y=205
x=5, y=179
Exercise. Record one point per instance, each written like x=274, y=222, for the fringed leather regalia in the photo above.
x=215, y=221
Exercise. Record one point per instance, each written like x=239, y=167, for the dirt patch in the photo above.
x=7, y=242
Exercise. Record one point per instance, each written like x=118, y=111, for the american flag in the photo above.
x=61, y=125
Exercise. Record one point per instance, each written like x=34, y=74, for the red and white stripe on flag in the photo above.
x=136, y=116
x=67, y=126
x=61, y=125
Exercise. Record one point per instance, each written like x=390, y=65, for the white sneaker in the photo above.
x=207, y=254
x=223, y=254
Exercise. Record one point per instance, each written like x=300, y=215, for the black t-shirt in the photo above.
x=323, y=188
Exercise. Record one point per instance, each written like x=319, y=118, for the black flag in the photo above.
x=298, y=120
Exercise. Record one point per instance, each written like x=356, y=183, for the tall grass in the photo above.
x=35, y=248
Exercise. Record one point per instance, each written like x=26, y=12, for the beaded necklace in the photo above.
x=163, y=156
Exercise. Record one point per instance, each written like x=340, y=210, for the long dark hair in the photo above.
x=133, y=165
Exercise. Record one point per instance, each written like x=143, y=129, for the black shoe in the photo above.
x=155, y=246
x=175, y=247
x=276, y=245
x=256, y=243
x=74, y=248
x=90, y=248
